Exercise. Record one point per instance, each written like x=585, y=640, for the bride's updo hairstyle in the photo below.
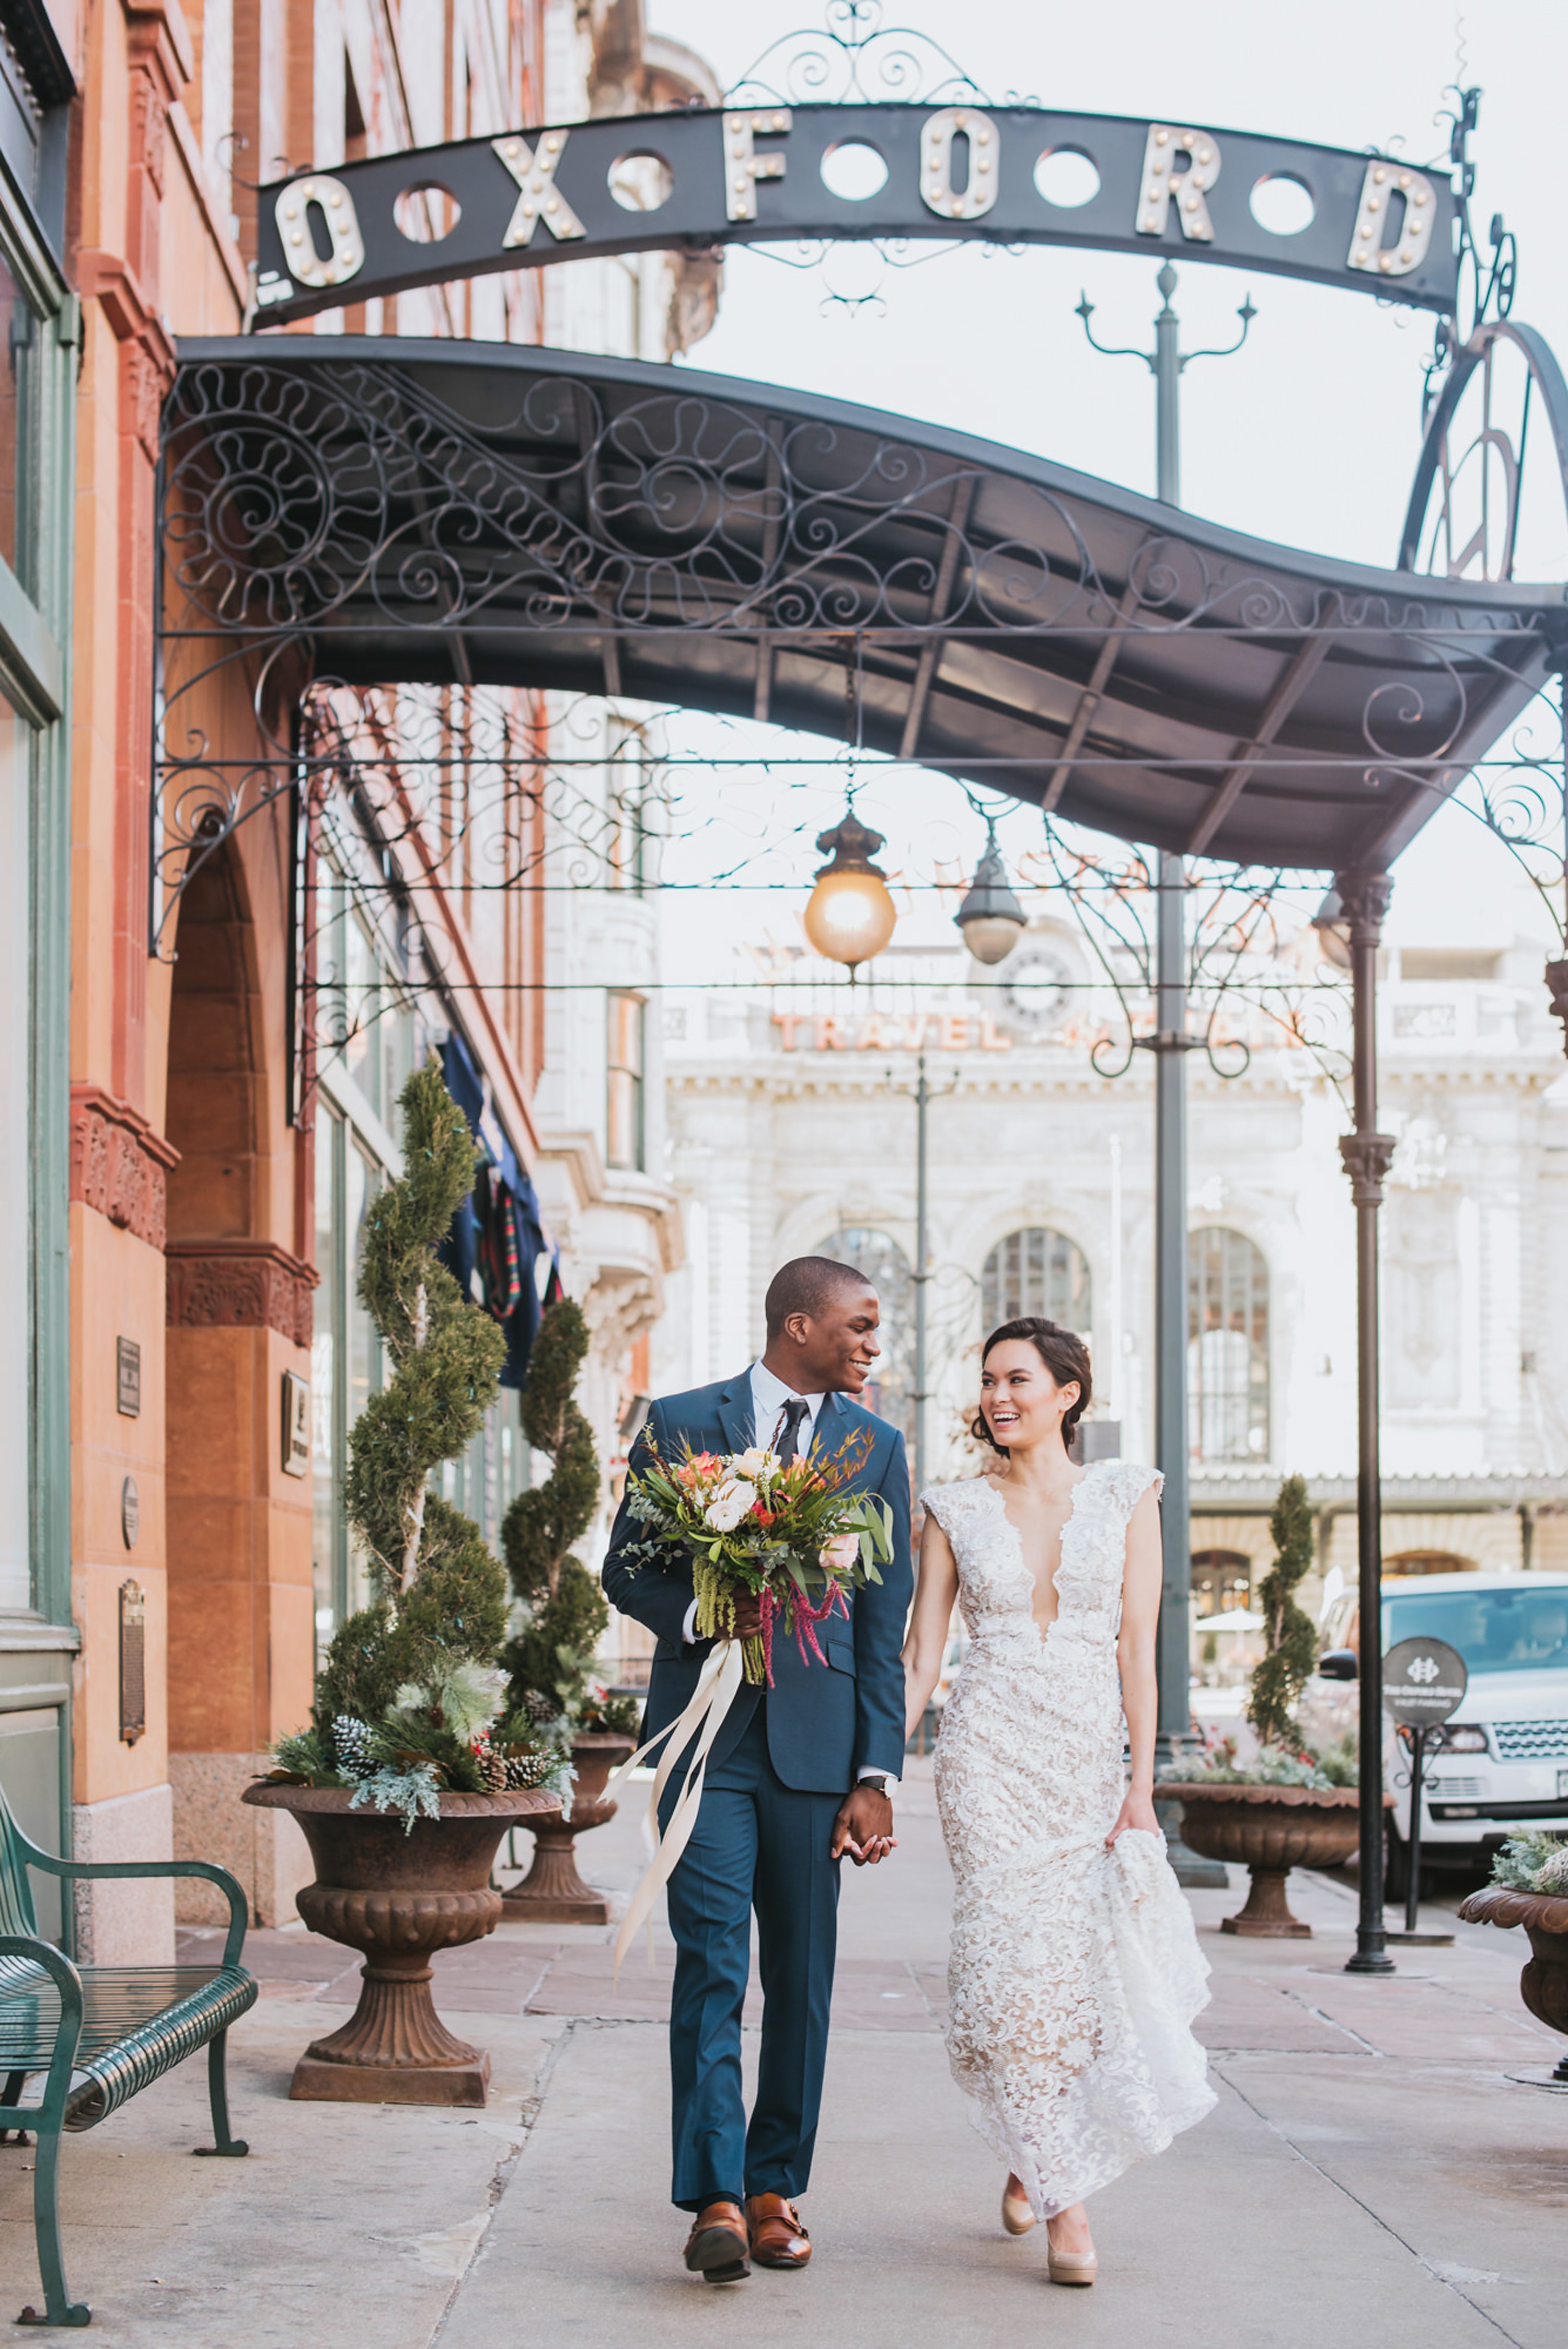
x=1063, y=1354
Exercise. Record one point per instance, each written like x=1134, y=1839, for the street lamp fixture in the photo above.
x=1333, y=927
x=990, y=919
x=850, y=916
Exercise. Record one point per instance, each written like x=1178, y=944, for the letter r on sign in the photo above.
x=1178, y=166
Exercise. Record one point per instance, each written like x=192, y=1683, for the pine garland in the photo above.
x=1290, y=1639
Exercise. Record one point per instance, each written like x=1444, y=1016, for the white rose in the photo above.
x=753, y=1463
x=729, y=1505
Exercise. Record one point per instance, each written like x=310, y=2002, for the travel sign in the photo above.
x=1004, y=175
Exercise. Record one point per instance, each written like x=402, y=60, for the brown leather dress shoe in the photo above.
x=779, y=2240
x=716, y=2246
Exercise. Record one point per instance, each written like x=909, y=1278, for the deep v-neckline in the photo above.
x=1042, y=1631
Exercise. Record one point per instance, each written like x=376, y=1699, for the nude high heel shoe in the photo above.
x=1016, y=2215
x=1071, y=2267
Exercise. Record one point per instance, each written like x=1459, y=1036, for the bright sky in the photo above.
x=1310, y=437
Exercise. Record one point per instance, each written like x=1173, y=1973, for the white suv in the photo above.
x=1502, y=1761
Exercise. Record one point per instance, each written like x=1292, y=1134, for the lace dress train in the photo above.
x=1075, y=1972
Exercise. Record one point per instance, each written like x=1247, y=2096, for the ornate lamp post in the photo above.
x=1362, y=902
x=1169, y=1043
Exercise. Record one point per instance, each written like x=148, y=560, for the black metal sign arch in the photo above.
x=762, y=173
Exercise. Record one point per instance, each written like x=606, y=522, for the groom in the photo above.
x=798, y=1775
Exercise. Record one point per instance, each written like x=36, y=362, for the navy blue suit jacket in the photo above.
x=824, y=1724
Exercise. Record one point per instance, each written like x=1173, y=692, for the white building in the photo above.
x=792, y=1129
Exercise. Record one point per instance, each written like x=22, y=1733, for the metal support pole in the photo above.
x=1366, y=1153
x=1171, y=1433
x=1413, y=1889
x=1167, y=394
x=922, y=1267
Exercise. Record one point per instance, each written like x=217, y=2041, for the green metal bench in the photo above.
x=100, y=2033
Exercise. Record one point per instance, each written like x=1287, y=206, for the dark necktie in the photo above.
x=787, y=1443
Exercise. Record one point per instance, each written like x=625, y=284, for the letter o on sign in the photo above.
x=329, y=200
x=938, y=138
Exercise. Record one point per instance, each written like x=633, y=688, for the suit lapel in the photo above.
x=829, y=1431
x=735, y=1413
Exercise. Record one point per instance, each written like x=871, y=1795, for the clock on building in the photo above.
x=1036, y=985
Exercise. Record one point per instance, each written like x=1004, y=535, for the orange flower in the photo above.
x=762, y=1513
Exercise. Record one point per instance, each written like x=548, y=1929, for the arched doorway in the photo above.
x=1037, y=1272
x=239, y=1322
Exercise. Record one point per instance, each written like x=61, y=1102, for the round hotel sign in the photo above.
x=1424, y=1682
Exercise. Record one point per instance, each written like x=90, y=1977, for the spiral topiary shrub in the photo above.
x=566, y=1612
x=1290, y=1641
x=408, y=1698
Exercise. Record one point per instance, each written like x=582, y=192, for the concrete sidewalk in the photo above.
x=1371, y=2179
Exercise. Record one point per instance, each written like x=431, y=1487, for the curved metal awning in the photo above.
x=448, y=511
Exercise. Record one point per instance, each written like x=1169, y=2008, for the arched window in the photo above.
x=1428, y=1561
x=1040, y=1272
x=1228, y=1347
x=1222, y=1581
x=890, y=1391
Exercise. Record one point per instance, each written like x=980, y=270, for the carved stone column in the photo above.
x=1364, y=899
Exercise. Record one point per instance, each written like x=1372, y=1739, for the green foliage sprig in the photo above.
x=553, y=1655
x=1533, y=1861
x=1290, y=1639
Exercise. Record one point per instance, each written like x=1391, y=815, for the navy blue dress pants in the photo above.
x=757, y=1844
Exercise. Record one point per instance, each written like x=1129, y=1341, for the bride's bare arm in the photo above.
x=926, y=1643
x=1134, y=1649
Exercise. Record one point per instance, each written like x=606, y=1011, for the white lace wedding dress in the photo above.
x=1075, y=1972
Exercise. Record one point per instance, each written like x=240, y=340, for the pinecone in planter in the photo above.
x=492, y=1766
x=524, y=1769
x=352, y=1744
x=539, y=1707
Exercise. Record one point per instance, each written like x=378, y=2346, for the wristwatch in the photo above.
x=877, y=1785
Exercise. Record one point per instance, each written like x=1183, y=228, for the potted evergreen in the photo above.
x=1530, y=1888
x=413, y=1765
x=1289, y=1807
x=551, y=1660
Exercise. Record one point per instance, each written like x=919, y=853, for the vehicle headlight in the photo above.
x=1463, y=1738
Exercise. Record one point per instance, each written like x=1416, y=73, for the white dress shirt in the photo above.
x=768, y=1397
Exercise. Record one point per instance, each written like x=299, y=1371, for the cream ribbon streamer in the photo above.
x=718, y=1684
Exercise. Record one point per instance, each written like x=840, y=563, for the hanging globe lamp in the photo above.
x=990, y=920
x=850, y=915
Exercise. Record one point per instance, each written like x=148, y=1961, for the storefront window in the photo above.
x=623, y=1118
x=18, y=330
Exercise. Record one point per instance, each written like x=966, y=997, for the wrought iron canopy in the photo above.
x=446, y=511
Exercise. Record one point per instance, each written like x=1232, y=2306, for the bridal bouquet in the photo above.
x=790, y=1533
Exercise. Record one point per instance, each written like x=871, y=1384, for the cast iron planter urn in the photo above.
x=1543, y=1984
x=552, y=1892
x=398, y=1897
x=1268, y=1830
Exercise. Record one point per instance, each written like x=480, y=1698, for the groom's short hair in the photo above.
x=808, y=1284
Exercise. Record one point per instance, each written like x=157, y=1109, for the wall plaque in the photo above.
x=296, y=1425
x=127, y=1380
x=132, y=1661
x=130, y=1513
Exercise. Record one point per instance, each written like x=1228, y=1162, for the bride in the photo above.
x=1075, y=1970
